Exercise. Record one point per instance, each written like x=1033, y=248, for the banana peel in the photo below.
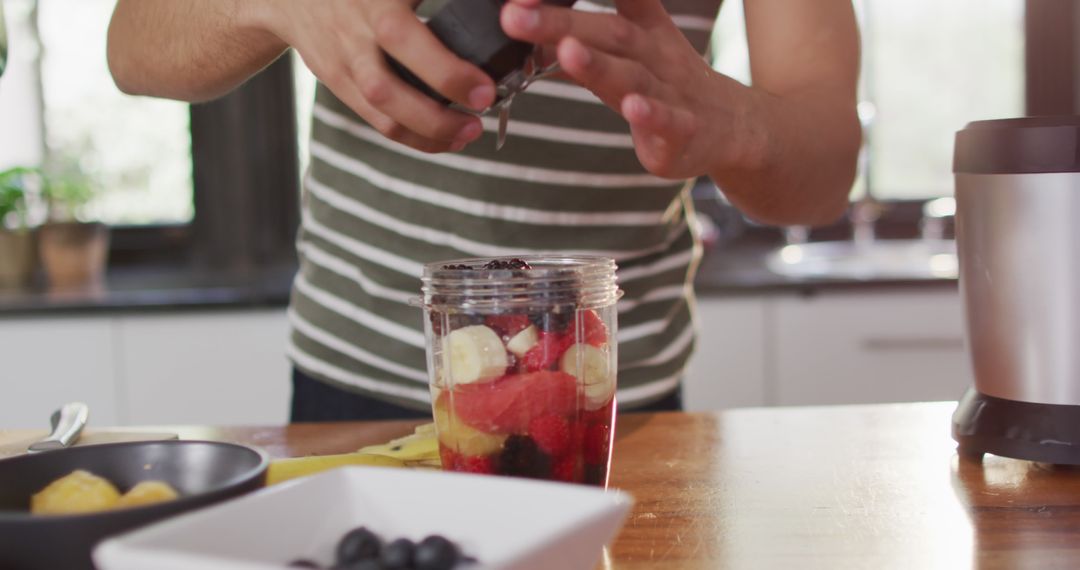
x=417, y=450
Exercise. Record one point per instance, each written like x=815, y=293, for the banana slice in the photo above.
x=523, y=341
x=474, y=353
x=590, y=365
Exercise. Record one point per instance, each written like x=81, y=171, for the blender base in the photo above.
x=1047, y=433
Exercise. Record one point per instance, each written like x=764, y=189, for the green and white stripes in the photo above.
x=568, y=181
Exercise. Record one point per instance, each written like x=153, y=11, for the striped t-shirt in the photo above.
x=567, y=180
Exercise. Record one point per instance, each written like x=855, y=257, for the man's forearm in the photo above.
x=801, y=162
x=800, y=117
x=192, y=50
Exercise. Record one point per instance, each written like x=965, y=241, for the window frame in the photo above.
x=245, y=174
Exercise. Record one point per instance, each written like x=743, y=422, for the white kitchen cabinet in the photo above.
x=219, y=368
x=847, y=347
x=229, y=367
x=46, y=362
x=728, y=367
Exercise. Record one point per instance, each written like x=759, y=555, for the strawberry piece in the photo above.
x=545, y=355
x=602, y=414
x=507, y=325
x=551, y=433
x=565, y=469
x=597, y=443
x=450, y=459
x=508, y=404
x=594, y=331
x=481, y=464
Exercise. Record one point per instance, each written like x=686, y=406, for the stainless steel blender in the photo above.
x=1018, y=239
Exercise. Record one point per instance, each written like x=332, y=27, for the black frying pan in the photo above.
x=202, y=472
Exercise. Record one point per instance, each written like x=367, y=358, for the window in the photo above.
x=210, y=187
x=928, y=68
x=58, y=104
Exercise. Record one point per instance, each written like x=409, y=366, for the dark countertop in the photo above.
x=736, y=268
x=739, y=268
x=169, y=289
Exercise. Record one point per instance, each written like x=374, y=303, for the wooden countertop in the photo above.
x=825, y=487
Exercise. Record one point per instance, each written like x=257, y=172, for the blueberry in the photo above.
x=522, y=457
x=552, y=321
x=360, y=565
x=303, y=563
x=357, y=545
x=436, y=553
x=398, y=554
x=458, y=266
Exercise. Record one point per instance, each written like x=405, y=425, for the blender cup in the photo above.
x=522, y=362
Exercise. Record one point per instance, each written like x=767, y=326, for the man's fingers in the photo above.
x=398, y=31
x=610, y=78
x=644, y=12
x=549, y=25
x=651, y=115
x=391, y=96
x=661, y=133
x=393, y=129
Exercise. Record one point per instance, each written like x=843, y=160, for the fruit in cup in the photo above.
x=526, y=394
x=522, y=342
x=508, y=404
x=507, y=325
x=590, y=365
x=474, y=353
x=545, y=352
x=460, y=437
x=594, y=330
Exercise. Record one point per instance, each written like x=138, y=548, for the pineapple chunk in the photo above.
x=147, y=493
x=78, y=492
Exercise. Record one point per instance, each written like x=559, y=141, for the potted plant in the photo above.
x=73, y=251
x=16, y=240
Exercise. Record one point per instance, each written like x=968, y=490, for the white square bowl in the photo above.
x=503, y=522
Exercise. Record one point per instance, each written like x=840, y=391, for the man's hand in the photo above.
x=342, y=42
x=200, y=49
x=783, y=150
x=639, y=64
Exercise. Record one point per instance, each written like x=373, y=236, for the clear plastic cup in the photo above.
x=522, y=361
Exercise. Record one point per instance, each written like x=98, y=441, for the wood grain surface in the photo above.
x=826, y=487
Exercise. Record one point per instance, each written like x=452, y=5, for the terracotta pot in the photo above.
x=16, y=258
x=74, y=254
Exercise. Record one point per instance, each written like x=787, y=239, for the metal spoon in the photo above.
x=67, y=424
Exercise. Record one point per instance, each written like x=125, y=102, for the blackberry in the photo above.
x=522, y=457
x=454, y=320
x=596, y=475
x=515, y=263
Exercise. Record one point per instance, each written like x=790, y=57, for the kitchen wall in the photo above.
x=228, y=367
